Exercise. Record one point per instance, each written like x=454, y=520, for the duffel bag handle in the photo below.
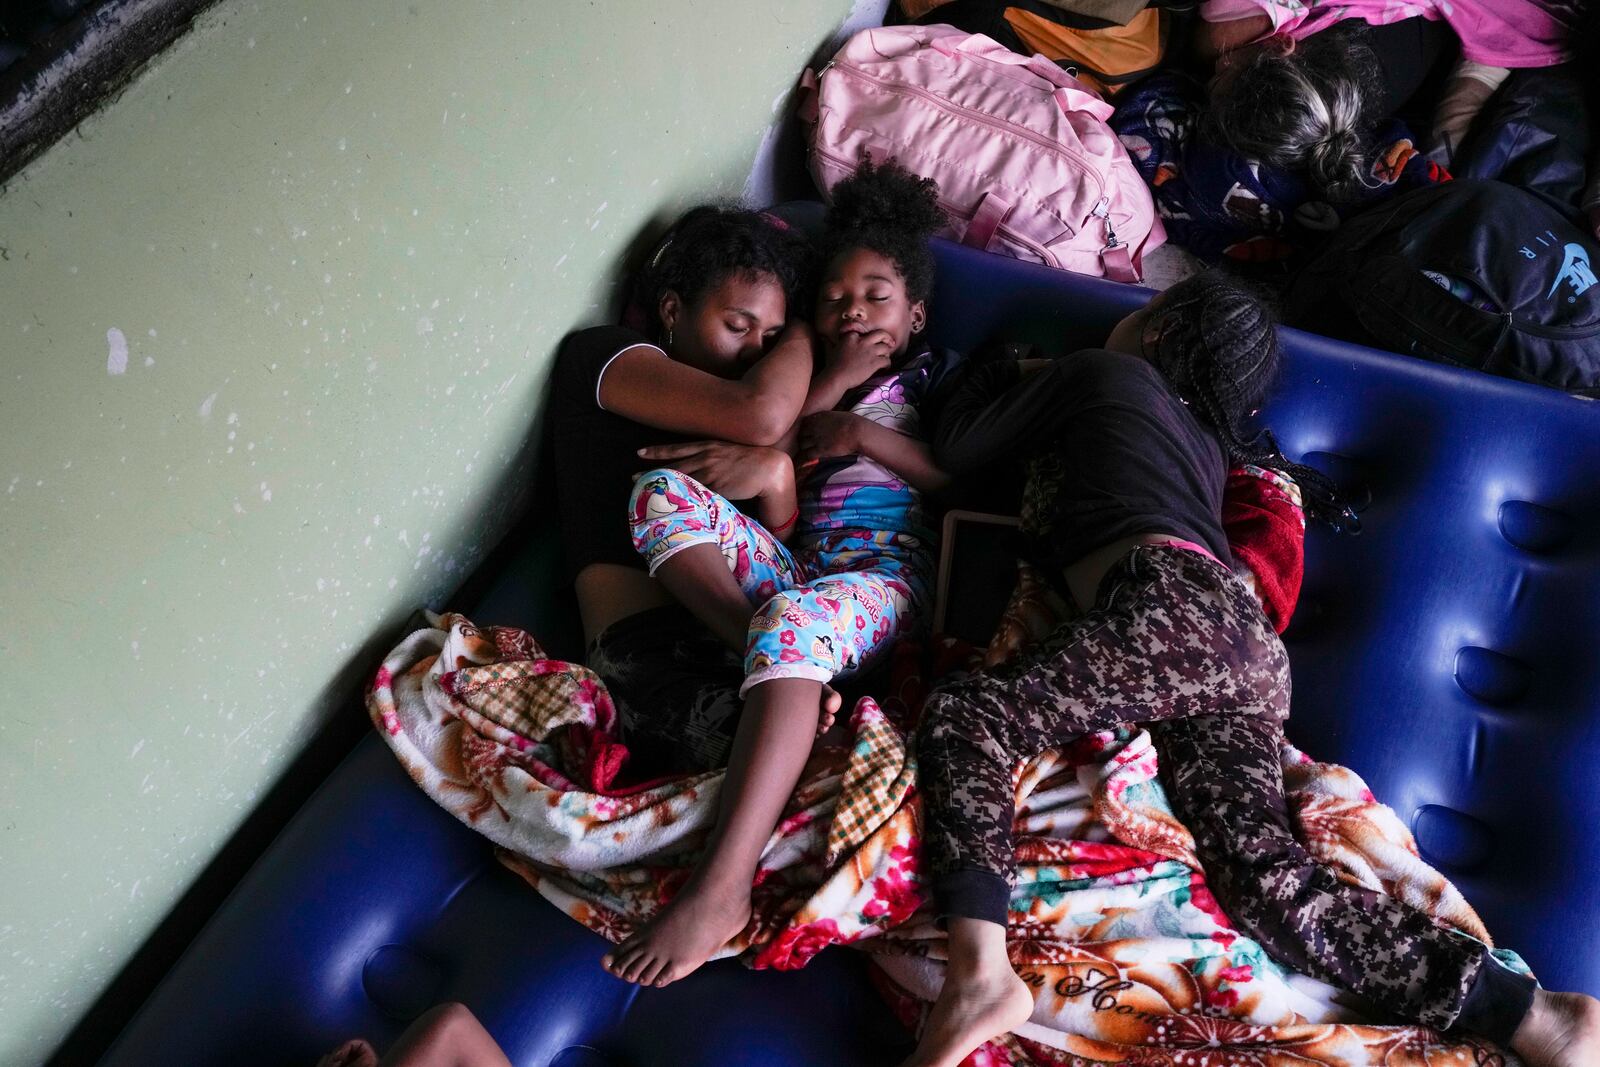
x=808, y=108
x=992, y=211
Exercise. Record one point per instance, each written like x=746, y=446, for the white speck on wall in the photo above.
x=342, y=144
x=347, y=87
x=117, y=351
x=377, y=520
x=266, y=494
x=393, y=582
x=149, y=361
x=136, y=748
x=560, y=261
x=424, y=326
x=205, y=406
x=233, y=418
x=152, y=331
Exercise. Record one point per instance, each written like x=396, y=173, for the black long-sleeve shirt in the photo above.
x=1128, y=457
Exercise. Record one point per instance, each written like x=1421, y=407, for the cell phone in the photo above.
x=977, y=573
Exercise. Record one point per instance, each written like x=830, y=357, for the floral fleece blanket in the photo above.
x=1111, y=922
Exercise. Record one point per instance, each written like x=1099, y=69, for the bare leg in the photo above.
x=1560, y=1030
x=982, y=996
x=447, y=1035
x=769, y=752
x=698, y=577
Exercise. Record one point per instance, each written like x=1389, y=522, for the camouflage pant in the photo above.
x=1175, y=640
x=676, y=688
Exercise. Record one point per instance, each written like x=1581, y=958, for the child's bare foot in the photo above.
x=698, y=921
x=1560, y=1030
x=972, y=1008
x=354, y=1053
x=831, y=703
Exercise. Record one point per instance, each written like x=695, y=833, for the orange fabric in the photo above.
x=1111, y=50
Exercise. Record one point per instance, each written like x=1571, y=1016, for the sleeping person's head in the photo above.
x=720, y=287
x=877, y=268
x=1216, y=344
x=1305, y=105
x=1214, y=341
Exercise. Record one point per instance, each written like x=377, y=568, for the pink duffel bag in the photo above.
x=1025, y=162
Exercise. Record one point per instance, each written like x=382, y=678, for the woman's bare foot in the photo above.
x=698, y=921
x=1560, y=1030
x=972, y=1008
x=353, y=1053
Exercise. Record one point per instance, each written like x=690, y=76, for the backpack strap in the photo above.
x=1118, y=262
x=1116, y=257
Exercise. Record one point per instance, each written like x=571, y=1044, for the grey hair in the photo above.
x=1308, y=108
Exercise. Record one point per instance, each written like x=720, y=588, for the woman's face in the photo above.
x=862, y=291
x=728, y=328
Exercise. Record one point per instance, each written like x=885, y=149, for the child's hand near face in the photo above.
x=858, y=356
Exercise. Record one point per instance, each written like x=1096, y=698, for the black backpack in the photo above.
x=1477, y=274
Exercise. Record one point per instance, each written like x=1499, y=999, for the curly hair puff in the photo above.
x=711, y=244
x=887, y=209
x=1216, y=343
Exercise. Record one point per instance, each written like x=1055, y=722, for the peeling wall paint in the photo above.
x=273, y=330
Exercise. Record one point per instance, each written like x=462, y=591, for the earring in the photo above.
x=669, y=336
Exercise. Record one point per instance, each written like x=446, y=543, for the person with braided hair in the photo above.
x=856, y=572
x=1169, y=636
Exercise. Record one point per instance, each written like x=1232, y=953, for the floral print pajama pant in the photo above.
x=824, y=611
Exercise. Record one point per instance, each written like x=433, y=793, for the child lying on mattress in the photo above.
x=1169, y=636
x=859, y=574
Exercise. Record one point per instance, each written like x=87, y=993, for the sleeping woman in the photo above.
x=713, y=356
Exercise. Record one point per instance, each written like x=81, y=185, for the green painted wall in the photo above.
x=271, y=333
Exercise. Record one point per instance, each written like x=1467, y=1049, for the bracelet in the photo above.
x=790, y=521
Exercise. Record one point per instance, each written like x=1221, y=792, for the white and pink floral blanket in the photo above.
x=1111, y=922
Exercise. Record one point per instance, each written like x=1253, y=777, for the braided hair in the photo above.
x=710, y=245
x=885, y=208
x=1217, y=345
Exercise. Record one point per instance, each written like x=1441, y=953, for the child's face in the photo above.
x=729, y=327
x=862, y=292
